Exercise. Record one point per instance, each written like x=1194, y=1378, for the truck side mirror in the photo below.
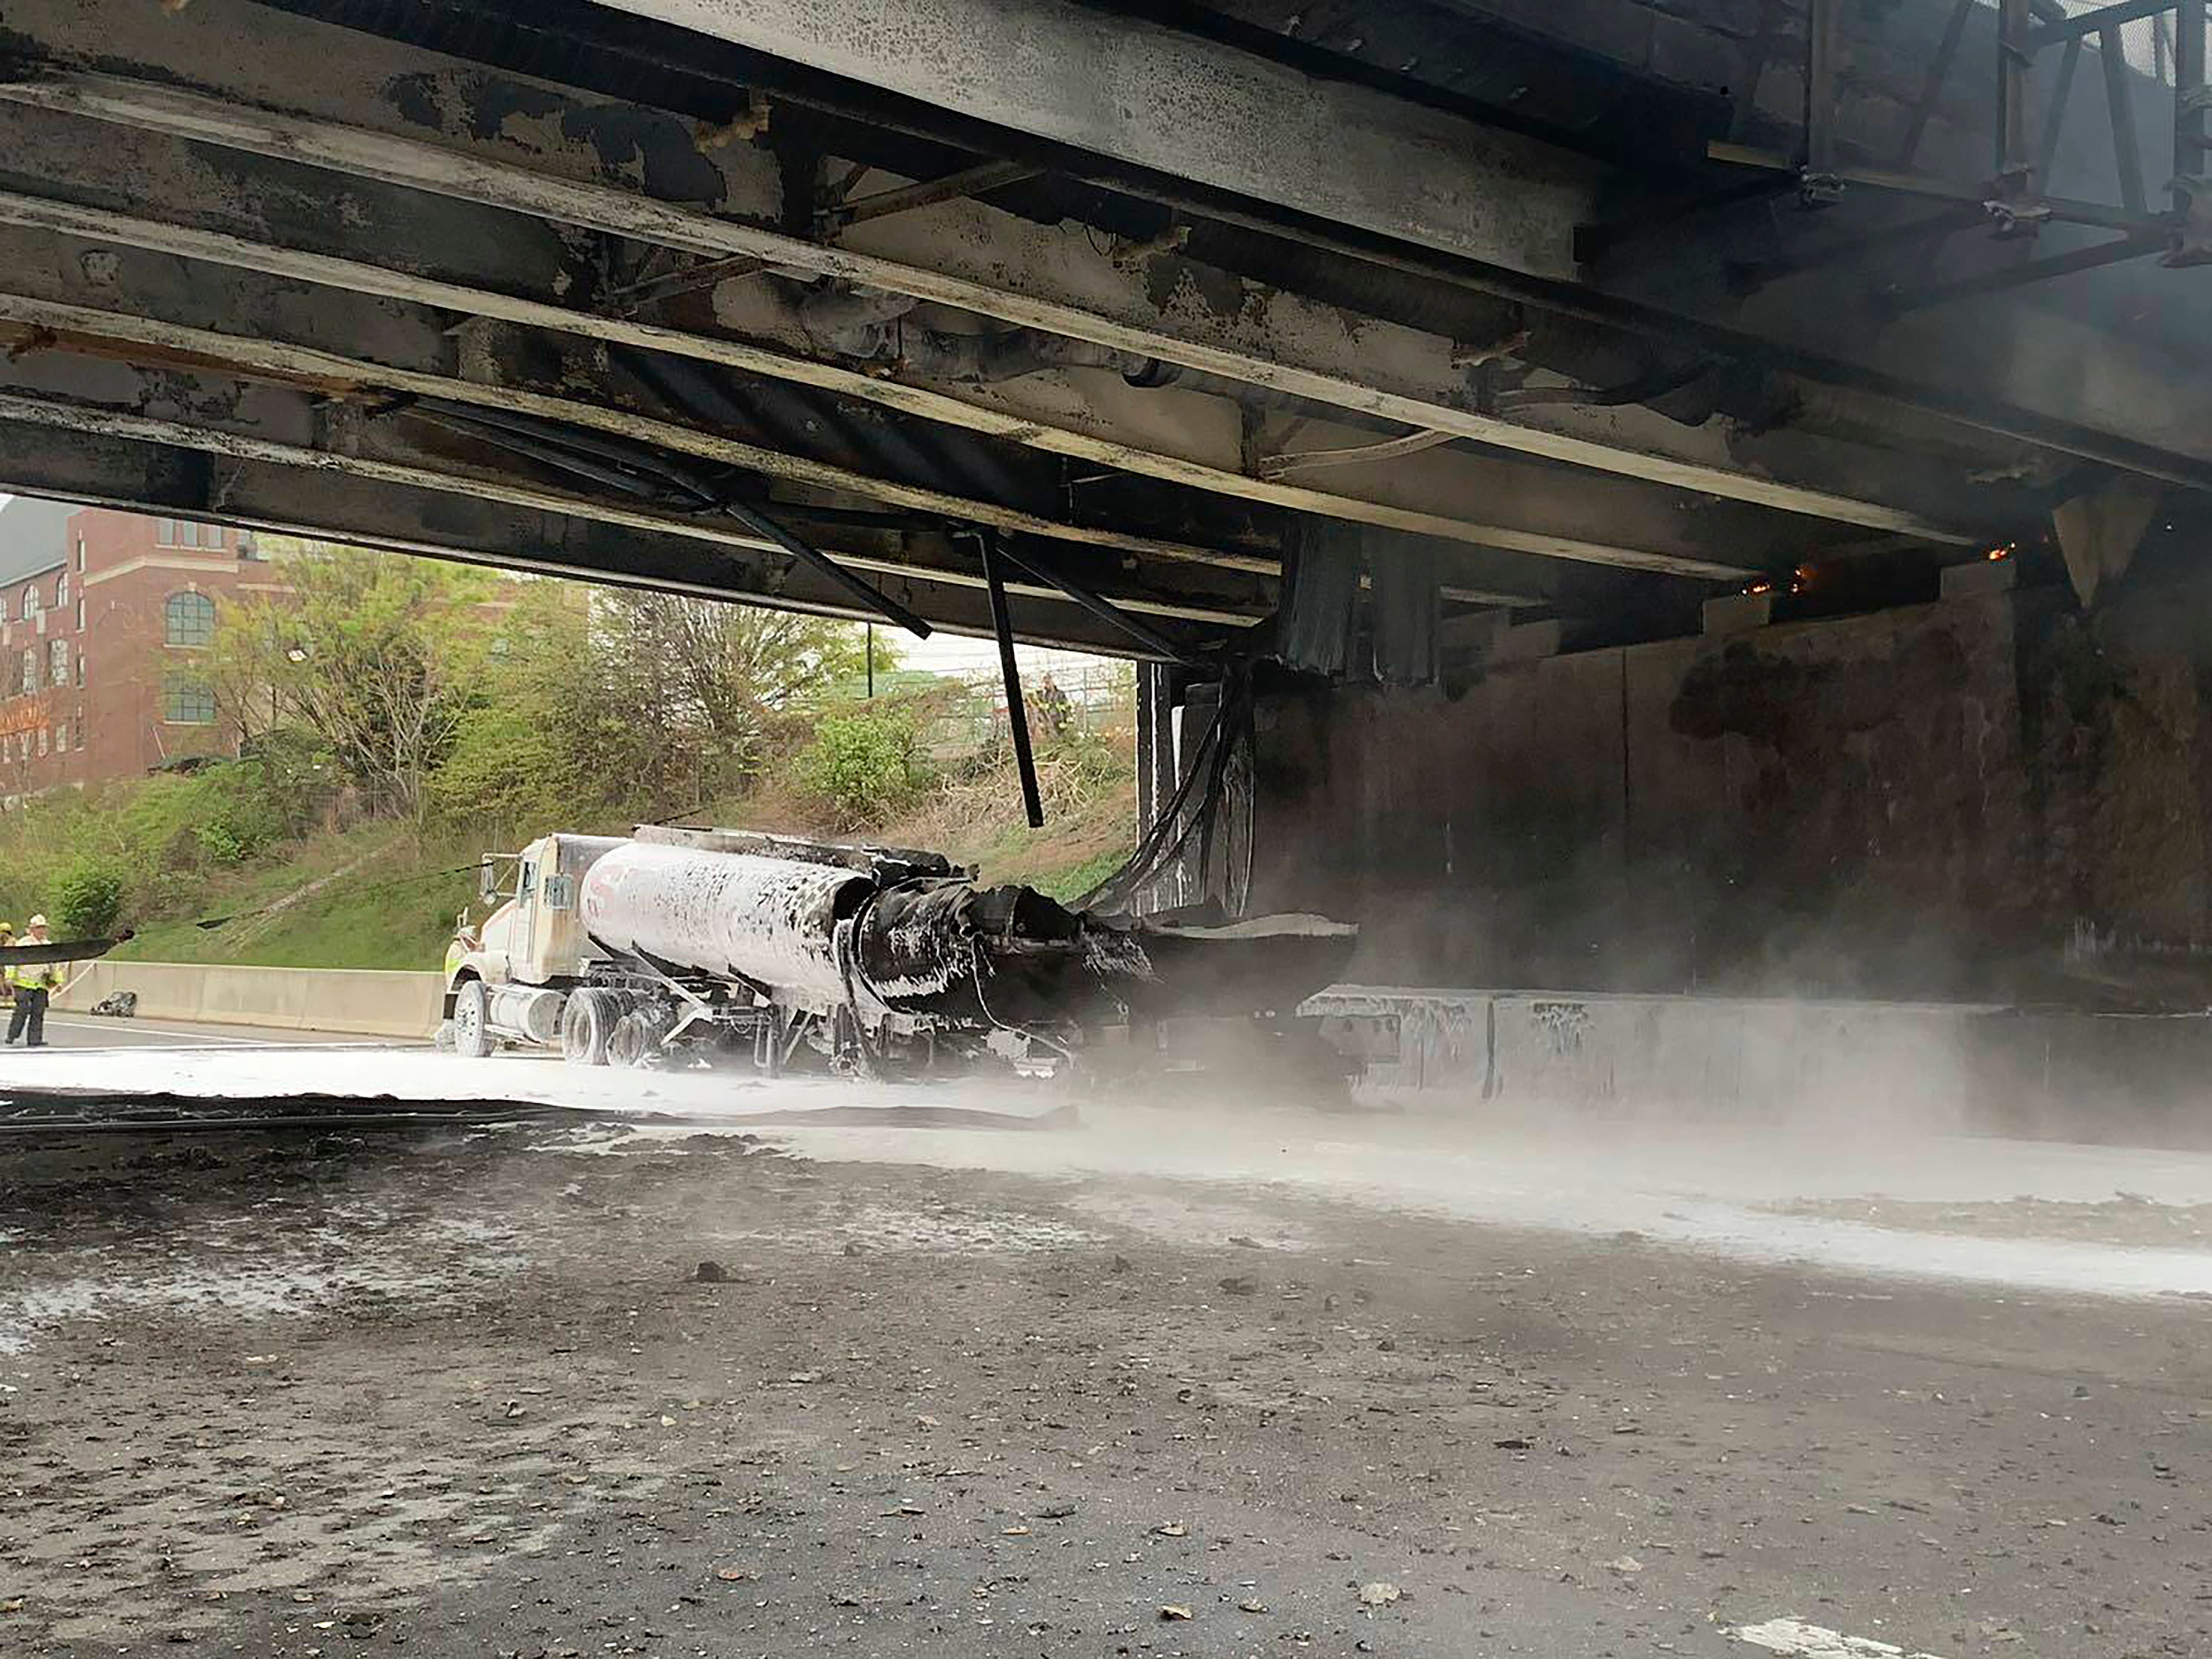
x=488, y=882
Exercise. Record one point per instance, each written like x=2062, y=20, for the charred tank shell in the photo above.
x=992, y=955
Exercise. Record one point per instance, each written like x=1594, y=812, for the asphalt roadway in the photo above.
x=562, y=1394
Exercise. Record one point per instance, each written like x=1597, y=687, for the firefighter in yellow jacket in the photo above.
x=34, y=981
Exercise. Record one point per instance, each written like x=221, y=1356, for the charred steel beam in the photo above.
x=2058, y=209
x=1593, y=242
x=2053, y=30
x=1128, y=90
x=2189, y=102
x=622, y=301
x=762, y=524
x=414, y=164
x=127, y=471
x=1749, y=275
x=2115, y=251
x=1104, y=609
x=630, y=467
x=151, y=340
x=117, y=424
x=2127, y=145
x=1018, y=720
x=975, y=414
x=2054, y=119
x=1939, y=67
x=1334, y=181
x=1823, y=47
x=979, y=181
x=2013, y=169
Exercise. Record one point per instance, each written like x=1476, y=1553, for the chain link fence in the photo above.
x=964, y=714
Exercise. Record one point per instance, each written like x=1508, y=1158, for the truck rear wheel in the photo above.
x=632, y=1041
x=586, y=1018
x=473, y=1020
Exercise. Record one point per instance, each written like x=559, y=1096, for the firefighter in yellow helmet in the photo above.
x=34, y=981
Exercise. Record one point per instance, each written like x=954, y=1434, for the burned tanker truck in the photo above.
x=679, y=946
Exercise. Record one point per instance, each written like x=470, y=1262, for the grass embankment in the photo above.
x=380, y=896
x=374, y=896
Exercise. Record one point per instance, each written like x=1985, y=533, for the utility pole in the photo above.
x=872, y=661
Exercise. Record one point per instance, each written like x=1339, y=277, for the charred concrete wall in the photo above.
x=1946, y=800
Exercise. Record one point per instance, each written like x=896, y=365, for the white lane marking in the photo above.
x=1796, y=1636
x=181, y=1039
x=130, y=1035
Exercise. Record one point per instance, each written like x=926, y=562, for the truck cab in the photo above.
x=533, y=935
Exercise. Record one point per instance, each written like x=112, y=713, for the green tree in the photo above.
x=709, y=678
x=377, y=655
x=593, y=705
x=532, y=748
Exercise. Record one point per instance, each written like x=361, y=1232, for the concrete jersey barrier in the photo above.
x=373, y=1002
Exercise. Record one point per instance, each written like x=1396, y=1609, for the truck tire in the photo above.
x=632, y=1041
x=585, y=1019
x=472, y=1036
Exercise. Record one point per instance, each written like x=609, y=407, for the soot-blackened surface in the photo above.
x=473, y=1397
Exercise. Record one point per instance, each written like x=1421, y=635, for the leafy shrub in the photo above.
x=505, y=771
x=220, y=816
x=862, y=764
x=88, y=900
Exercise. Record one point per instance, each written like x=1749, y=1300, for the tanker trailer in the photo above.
x=675, y=945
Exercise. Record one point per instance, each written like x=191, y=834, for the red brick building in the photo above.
x=106, y=618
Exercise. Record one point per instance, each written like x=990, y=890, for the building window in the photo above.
x=79, y=552
x=80, y=616
x=30, y=602
x=61, y=591
x=57, y=662
x=184, y=533
x=61, y=737
x=247, y=547
x=165, y=532
x=187, y=701
x=80, y=668
x=42, y=743
x=28, y=681
x=189, y=619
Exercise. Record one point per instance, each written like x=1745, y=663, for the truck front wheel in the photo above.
x=471, y=1020
x=585, y=1019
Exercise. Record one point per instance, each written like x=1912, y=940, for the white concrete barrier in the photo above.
x=2048, y=1072
x=373, y=1002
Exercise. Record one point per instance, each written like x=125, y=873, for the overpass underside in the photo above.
x=1358, y=368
